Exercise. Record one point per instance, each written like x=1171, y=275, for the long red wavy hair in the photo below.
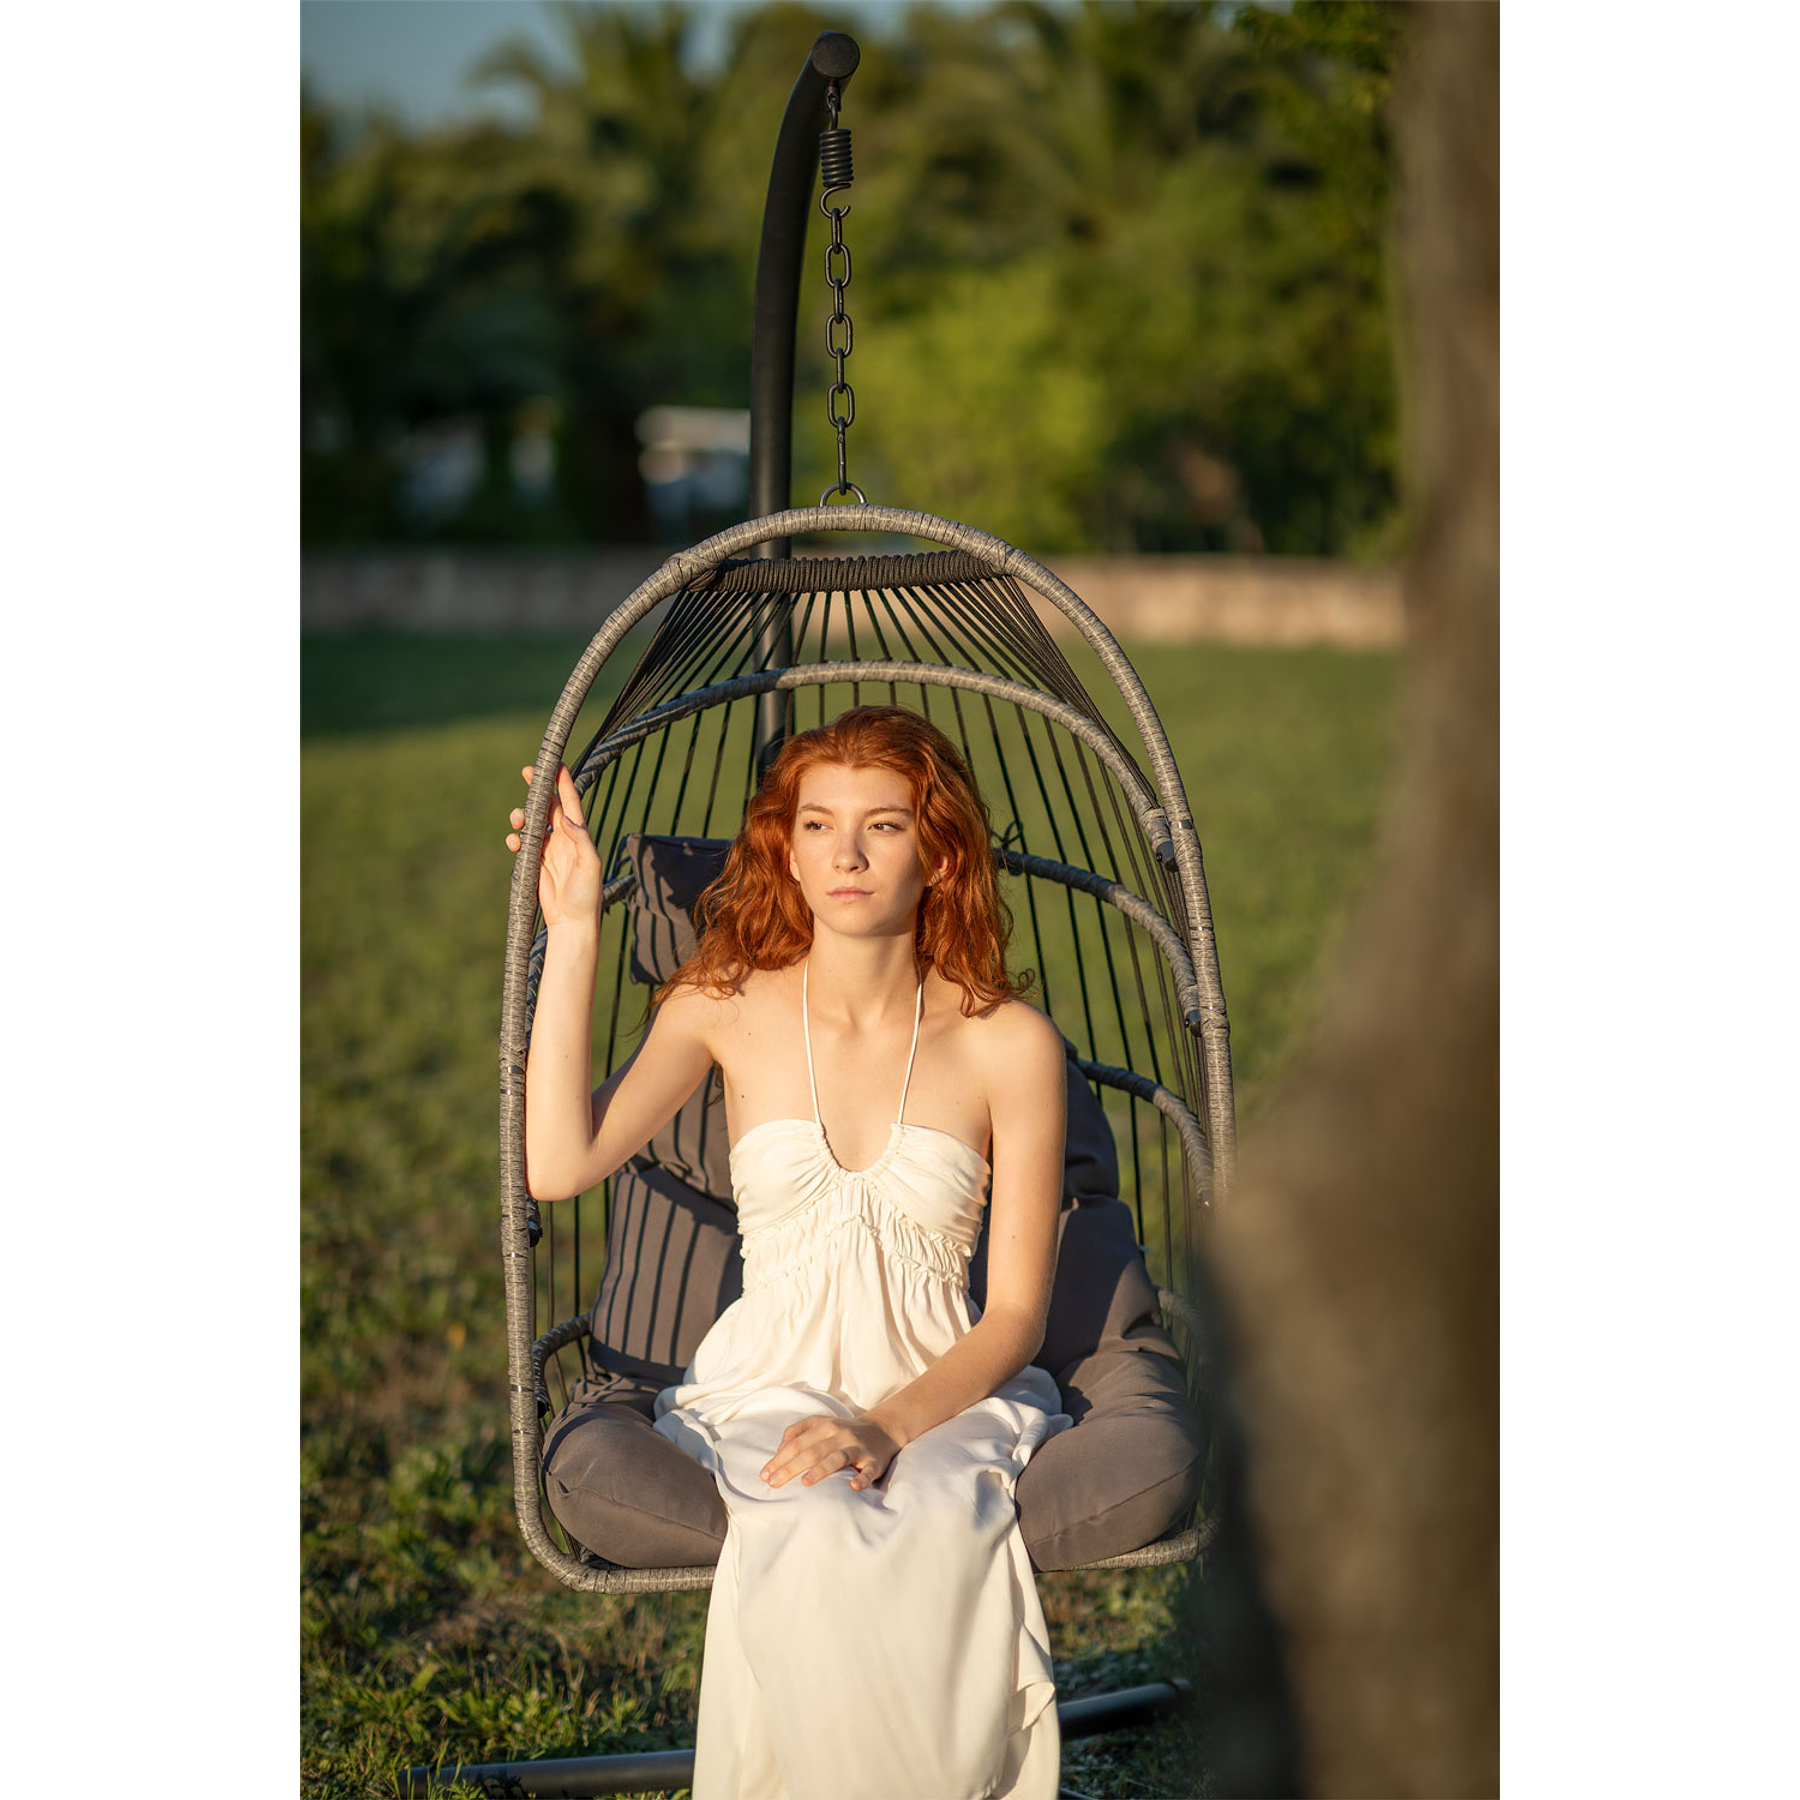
x=754, y=915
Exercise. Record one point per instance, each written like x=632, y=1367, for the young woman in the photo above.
x=874, y=1629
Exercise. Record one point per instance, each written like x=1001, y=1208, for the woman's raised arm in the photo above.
x=574, y=1137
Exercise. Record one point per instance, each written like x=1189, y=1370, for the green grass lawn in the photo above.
x=429, y=1632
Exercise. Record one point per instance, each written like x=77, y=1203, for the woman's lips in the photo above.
x=849, y=893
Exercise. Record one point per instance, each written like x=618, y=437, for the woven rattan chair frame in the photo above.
x=1183, y=944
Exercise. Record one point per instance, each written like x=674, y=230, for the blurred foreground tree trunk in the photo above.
x=1360, y=1261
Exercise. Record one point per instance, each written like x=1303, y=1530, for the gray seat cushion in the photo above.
x=1127, y=1471
x=623, y=1491
x=1121, y=1478
x=1130, y=1467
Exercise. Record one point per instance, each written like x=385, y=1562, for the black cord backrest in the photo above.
x=1097, y=915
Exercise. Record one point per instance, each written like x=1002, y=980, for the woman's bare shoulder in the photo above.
x=723, y=1011
x=1020, y=1024
x=1009, y=1028
x=762, y=988
x=689, y=1010
x=1014, y=1054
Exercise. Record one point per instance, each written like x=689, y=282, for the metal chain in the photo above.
x=836, y=175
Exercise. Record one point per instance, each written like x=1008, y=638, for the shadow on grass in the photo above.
x=356, y=683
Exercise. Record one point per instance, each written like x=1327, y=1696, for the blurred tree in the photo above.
x=1324, y=71
x=415, y=309
x=1120, y=272
x=643, y=266
x=1009, y=177
x=1360, y=1258
x=350, y=318
x=1216, y=286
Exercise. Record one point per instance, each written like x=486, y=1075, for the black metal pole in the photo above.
x=650, y=1771
x=792, y=184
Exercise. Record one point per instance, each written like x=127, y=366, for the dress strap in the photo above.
x=806, y=1026
x=812, y=1081
x=918, y=1014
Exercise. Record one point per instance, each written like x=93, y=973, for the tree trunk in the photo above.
x=1359, y=1260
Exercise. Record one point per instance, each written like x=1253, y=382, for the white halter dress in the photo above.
x=886, y=1644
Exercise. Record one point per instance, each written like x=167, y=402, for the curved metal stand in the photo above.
x=785, y=214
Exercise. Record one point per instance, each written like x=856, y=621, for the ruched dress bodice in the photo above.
x=856, y=1283
x=887, y=1246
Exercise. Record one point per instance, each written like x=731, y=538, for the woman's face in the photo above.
x=856, y=850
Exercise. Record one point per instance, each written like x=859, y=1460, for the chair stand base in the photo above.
x=655, y=1771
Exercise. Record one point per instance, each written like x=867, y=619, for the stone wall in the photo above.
x=1141, y=599
x=468, y=590
x=1238, y=599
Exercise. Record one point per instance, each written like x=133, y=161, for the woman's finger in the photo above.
x=829, y=1464
x=800, y=1448
x=571, y=801
x=780, y=1464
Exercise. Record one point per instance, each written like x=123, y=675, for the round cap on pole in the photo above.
x=835, y=56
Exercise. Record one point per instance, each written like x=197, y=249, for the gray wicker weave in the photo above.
x=959, y=628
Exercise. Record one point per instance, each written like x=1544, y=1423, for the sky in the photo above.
x=413, y=57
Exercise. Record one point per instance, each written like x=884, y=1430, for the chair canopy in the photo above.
x=1094, y=840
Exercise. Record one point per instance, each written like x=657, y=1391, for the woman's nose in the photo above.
x=848, y=854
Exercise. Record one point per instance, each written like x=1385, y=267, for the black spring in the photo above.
x=834, y=158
